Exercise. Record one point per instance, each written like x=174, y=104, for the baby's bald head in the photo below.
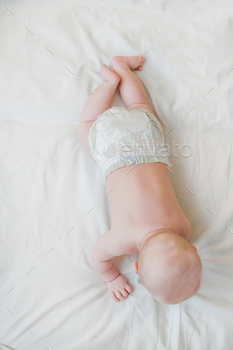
x=169, y=268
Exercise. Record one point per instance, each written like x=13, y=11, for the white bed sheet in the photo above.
x=50, y=51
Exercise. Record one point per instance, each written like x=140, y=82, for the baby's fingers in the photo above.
x=120, y=296
x=128, y=288
x=114, y=297
x=124, y=292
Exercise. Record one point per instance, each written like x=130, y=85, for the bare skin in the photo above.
x=142, y=200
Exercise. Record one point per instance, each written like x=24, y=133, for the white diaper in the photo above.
x=121, y=137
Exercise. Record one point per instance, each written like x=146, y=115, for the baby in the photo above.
x=146, y=216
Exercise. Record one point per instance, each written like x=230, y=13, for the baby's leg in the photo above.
x=131, y=89
x=97, y=103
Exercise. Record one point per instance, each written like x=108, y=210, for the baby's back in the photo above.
x=143, y=200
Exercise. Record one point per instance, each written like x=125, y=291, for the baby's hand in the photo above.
x=119, y=288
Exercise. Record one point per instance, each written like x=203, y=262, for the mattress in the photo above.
x=52, y=196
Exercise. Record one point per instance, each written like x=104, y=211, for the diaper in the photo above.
x=120, y=137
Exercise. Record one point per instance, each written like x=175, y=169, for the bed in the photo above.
x=52, y=196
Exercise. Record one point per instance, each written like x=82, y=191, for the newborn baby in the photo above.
x=146, y=216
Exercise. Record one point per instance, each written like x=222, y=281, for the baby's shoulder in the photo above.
x=125, y=241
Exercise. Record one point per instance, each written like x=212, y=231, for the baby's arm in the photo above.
x=108, y=246
x=103, y=251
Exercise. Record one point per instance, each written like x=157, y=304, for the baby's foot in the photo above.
x=109, y=77
x=119, y=288
x=131, y=62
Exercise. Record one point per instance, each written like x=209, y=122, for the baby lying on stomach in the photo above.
x=146, y=216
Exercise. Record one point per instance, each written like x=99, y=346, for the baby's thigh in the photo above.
x=141, y=105
x=83, y=132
